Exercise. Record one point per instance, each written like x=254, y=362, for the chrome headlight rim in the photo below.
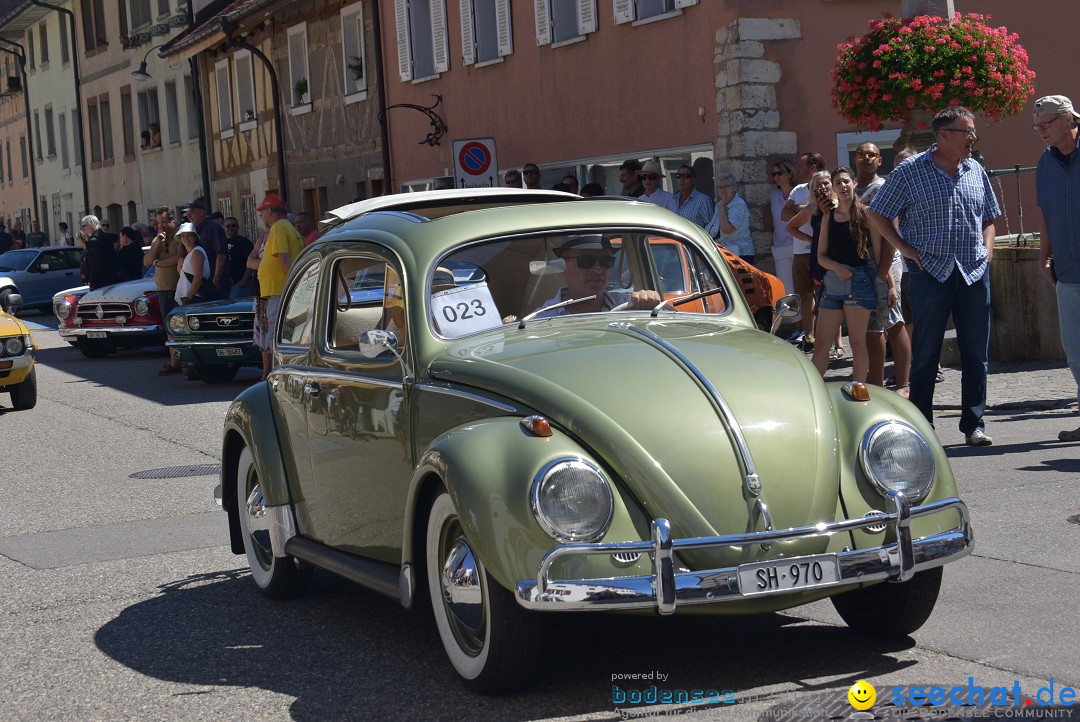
x=542, y=518
x=141, y=306
x=177, y=323
x=14, y=346
x=868, y=440
x=62, y=309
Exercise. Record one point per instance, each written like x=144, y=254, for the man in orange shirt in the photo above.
x=305, y=223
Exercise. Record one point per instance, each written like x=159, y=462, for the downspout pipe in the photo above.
x=380, y=76
x=78, y=98
x=227, y=27
x=20, y=57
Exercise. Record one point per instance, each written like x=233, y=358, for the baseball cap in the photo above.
x=194, y=204
x=587, y=242
x=1055, y=105
x=270, y=200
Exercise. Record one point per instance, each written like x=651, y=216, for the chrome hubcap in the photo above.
x=463, y=595
x=258, y=526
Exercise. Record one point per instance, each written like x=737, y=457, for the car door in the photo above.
x=43, y=277
x=61, y=273
x=358, y=411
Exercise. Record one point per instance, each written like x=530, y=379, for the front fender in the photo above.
x=488, y=469
x=854, y=419
x=250, y=422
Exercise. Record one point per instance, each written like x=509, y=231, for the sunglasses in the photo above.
x=586, y=262
x=649, y=176
x=866, y=154
x=684, y=175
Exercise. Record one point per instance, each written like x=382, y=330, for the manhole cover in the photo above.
x=175, y=472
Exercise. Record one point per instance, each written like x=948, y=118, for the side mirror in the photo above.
x=43, y=267
x=787, y=307
x=14, y=303
x=376, y=342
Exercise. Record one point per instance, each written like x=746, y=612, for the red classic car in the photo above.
x=99, y=322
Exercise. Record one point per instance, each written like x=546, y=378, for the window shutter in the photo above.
x=543, y=22
x=685, y=3
x=504, y=31
x=439, y=37
x=404, y=52
x=586, y=16
x=624, y=11
x=468, y=40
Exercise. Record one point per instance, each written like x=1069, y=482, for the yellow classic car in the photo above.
x=17, y=351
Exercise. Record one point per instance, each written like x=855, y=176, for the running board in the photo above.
x=377, y=576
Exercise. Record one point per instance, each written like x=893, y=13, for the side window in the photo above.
x=681, y=270
x=368, y=295
x=297, y=308
x=56, y=260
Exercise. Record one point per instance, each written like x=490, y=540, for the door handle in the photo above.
x=312, y=389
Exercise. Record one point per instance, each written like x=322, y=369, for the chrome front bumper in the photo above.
x=181, y=342
x=665, y=588
x=66, y=331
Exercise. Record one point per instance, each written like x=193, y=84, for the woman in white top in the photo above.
x=195, y=268
x=782, y=173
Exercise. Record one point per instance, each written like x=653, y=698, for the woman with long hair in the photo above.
x=847, y=247
x=822, y=200
x=782, y=174
x=194, y=284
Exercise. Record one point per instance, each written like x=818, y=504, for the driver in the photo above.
x=589, y=259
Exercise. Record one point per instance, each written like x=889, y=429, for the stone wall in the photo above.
x=748, y=132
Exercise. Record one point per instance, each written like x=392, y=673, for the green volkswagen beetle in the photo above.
x=558, y=404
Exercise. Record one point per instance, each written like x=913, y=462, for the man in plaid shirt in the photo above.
x=946, y=208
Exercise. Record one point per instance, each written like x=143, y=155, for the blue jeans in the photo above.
x=931, y=304
x=1068, y=300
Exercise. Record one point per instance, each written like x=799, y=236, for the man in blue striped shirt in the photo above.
x=946, y=208
x=693, y=204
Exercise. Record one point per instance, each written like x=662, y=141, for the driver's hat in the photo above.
x=587, y=242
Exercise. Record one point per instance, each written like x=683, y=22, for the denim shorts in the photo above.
x=856, y=291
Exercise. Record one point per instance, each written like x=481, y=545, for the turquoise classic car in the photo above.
x=566, y=433
x=215, y=337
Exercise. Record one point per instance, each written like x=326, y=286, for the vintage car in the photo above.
x=486, y=450
x=215, y=337
x=120, y=315
x=37, y=273
x=17, y=374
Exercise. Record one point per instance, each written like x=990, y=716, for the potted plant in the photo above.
x=929, y=63
x=300, y=87
x=356, y=65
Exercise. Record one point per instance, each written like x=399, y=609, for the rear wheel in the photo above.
x=24, y=393
x=492, y=642
x=216, y=373
x=888, y=610
x=95, y=347
x=276, y=577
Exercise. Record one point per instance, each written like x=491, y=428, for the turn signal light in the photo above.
x=538, y=425
x=856, y=390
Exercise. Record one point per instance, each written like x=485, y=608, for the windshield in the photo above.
x=571, y=273
x=16, y=260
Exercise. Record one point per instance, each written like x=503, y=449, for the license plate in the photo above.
x=96, y=334
x=229, y=351
x=787, y=575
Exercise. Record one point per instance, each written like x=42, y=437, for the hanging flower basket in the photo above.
x=928, y=63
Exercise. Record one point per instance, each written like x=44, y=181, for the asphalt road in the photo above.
x=122, y=601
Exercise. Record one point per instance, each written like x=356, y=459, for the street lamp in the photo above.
x=141, y=75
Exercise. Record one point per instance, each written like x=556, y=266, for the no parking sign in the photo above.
x=474, y=163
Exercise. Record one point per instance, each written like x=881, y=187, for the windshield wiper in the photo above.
x=685, y=299
x=545, y=309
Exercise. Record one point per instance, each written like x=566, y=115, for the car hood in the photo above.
x=225, y=305
x=125, y=292
x=638, y=408
x=11, y=326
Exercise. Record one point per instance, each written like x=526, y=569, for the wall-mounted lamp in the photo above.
x=141, y=75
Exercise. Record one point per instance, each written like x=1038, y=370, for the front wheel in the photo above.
x=24, y=393
x=216, y=373
x=889, y=610
x=95, y=347
x=493, y=643
x=276, y=577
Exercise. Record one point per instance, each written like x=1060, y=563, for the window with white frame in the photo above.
x=172, y=112
x=245, y=86
x=558, y=21
x=630, y=10
x=65, y=53
x=486, y=31
x=163, y=8
x=139, y=14
x=43, y=43
x=192, y=109
x=148, y=111
x=299, y=79
x=423, y=46
x=224, y=95
x=352, y=48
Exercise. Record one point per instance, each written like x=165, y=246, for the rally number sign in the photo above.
x=464, y=310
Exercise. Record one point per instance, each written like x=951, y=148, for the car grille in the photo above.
x=226, y=322
x=94, y=312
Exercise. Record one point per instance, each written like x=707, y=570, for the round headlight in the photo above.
x=62, y=309
x=142, y=306
x=13, y=346
x=193, y=323
x=572, y=500
x=176, y=323
x=896, y=457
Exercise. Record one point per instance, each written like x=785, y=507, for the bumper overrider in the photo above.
x=666, y=588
